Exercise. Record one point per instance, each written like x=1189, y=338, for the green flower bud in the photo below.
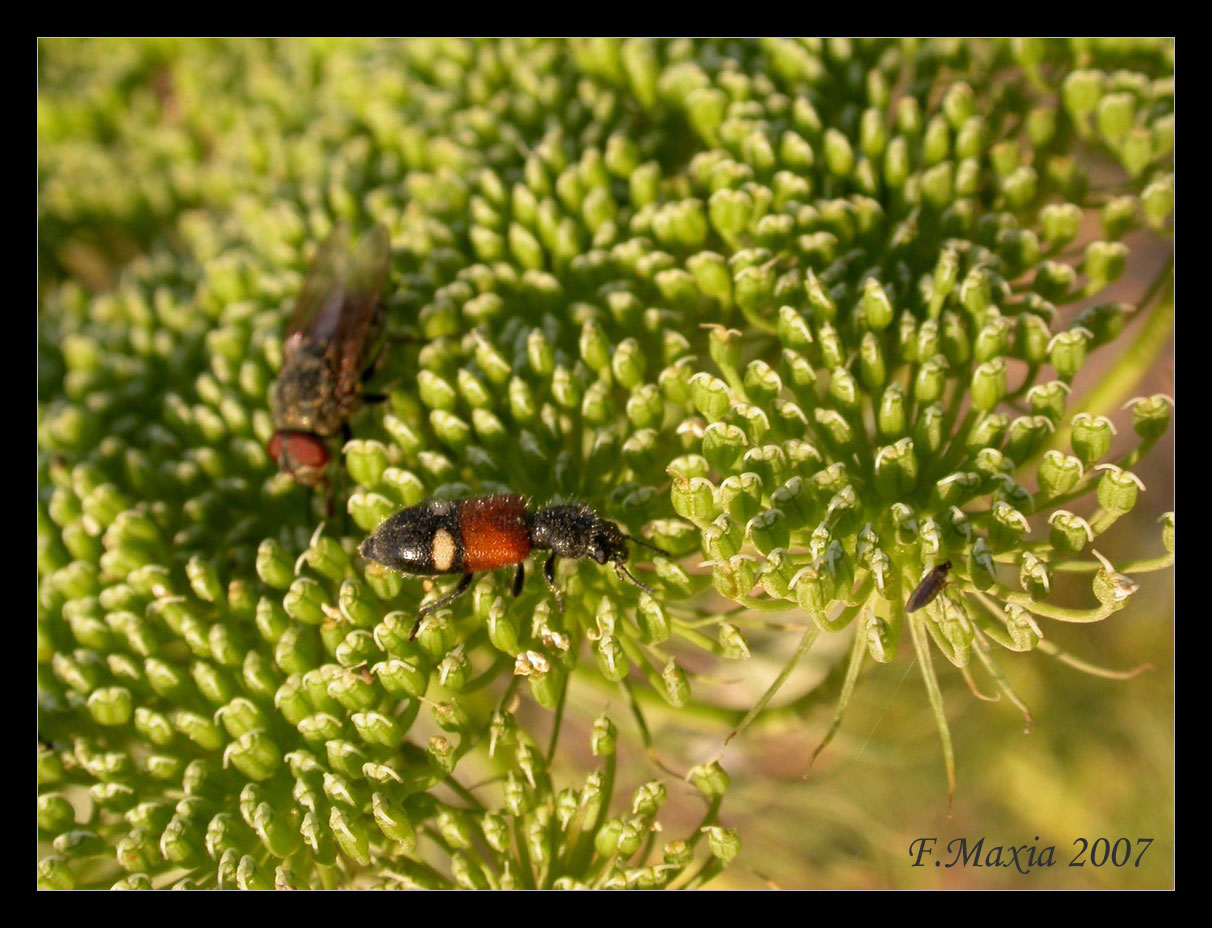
x=769, y=530
x=930, y=380
x=694, y=499
x=875, y=305
x=891, y=414
x=993, y=340
x=153, y=726
x=1049, y=399
x=730, y=211
x=677, y=688
x=982, y=573
x=55, y=873
x=1058, y=473
x=1157, y=201
x=182, y=843
x=1024, y=633
x=1104, y=263
x=110, y=706
x=1034, y=576
x=1111, y=588
x=1150, y=416
x=648, y=799
x=350, y=834
x=1118, y=489
x=137, y=851
x=928, y=431
x=402, y=677
x=503, y=628
x=1069, y=533
x=374, y=728
x=725, y=843
x=1025, y=436
x=1119, y=216
x=198, y=729
x=1067, y=352
x=1007, y=527
x=955, y=489
x=989, y=384
x=1059, y=223
x=319, y=727
x=754, y=288
x=740, y=497
x=326, y=556
x=732, y=643
x=896, y=469
x=711, y=275
x=255, y=755
x=839, y=156
x=393, y=821
x=1081, y=92
x=1115, y=116
x=366, y=460
x=241, y=716
x=710, y=396
x=1091, y=437
x=55, y=813
x=723, y=538
x=204, y=579
x=723, y=445
x=612, y=660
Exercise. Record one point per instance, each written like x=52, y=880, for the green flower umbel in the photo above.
x=809, y=318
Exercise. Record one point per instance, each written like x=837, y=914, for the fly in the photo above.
x=329, y=344
x=929, y=587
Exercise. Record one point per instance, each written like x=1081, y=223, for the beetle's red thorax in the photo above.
x=494, y=532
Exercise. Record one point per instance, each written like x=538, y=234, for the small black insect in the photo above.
x=473, y=535
x=929, y=587
x=330, y=342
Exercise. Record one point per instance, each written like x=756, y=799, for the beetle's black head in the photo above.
x=608, y=544
x=575, y=531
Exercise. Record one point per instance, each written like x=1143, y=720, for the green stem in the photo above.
x=805, y=643
x=1144, y=566
x=922, y=646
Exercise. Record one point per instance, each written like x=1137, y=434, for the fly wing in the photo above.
x=318, y=308
x=367, y=271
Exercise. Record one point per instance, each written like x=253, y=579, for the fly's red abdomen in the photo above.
x=493, y=532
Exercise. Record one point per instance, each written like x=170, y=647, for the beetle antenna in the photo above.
x=640, y=541
x=622, y=571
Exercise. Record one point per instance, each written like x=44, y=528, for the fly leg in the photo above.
x=459, y=590
x=549, y=576
x=518, y=579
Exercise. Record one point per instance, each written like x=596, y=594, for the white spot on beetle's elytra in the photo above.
x=443, y=549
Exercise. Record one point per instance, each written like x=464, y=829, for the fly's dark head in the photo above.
x=301, y=455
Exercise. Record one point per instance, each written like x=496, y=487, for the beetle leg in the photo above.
x=625, y=574
x=518, y=579
x=459, y=590
x=549, y=576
